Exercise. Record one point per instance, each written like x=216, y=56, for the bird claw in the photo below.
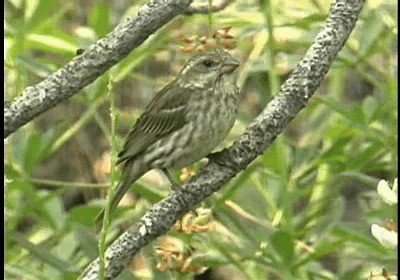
x=220, y=157
x=223, y=158
x=174, y=184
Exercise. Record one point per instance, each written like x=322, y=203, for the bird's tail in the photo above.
x=131, y=171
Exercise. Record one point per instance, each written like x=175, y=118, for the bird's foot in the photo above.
x=174, y=183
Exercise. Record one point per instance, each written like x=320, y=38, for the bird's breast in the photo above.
x=211, y=119
x=210, y=116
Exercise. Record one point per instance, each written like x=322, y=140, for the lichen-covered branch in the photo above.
x=92, y=63
x=95, y=60
x=292, y=97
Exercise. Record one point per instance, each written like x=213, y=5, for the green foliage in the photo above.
x=302, y=210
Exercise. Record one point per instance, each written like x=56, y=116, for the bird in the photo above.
x=183, y=122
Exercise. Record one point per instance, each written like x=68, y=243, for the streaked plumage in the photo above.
x=184, y=122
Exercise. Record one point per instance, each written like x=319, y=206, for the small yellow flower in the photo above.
x=172, y=255
x=195, y=222
x=187, y=173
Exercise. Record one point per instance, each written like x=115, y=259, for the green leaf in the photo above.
x=51, y=43
x=320, y=251
x=369, y=106
x=148, y=191
x=354, y=115
x=282, y=242
x=358, y=238
x=55, y=212
x=99, y=18
x=39, y=10
x=34, y=67
x=30, y=148
x=87, y=241
x=336, y=150
x=306, y=22
x=277, y=158
x=139, y=55
x=83, y=215
x=353, y=273
x=18, y=271
x=66, y=247
x=210, y=260
x=42, y=253
x=376, y=30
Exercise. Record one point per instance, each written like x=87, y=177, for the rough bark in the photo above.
x=91, y=64
x=292, y=97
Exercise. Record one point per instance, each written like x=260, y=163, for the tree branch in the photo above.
x=292, y=97
x=92, y=63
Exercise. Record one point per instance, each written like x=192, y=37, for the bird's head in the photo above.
x=205, y=69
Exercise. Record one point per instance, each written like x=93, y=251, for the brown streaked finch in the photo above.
x=183, y=123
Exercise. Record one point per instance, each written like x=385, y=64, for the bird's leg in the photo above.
x=223, y=158
x=174, y=183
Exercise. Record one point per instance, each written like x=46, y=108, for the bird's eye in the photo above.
x=209, y=63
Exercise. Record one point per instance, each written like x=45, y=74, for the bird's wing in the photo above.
x=164, y=114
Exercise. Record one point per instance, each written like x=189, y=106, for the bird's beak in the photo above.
x=229, y=65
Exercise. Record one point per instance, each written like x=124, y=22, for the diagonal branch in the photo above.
x=92, y=63
x=85, y=68
x=292, y=97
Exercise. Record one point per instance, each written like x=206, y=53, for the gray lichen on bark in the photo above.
x=91, y=64
x=292, y=97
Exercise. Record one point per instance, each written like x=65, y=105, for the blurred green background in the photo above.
x=302, y=210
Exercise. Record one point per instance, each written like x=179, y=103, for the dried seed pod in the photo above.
x=187, y=49
x=193, y=38
x=226, y=29
x=227, y=36
x=218, y=34
x=211, y=42
x=201, y=48
x=182, y=39
x=203, y=39
x=186, y=40
x=228, y=43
